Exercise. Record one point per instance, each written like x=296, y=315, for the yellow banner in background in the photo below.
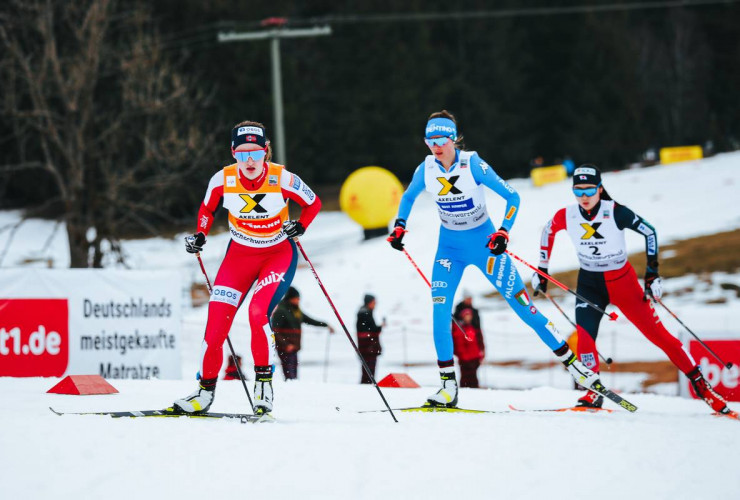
x=682, y=153
x=547, y=175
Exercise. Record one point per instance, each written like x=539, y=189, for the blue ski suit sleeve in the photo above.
x=409, y=197
x=484, y=174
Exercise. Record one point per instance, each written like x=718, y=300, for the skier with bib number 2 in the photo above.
x=455, y=178
x=596, y=225
x=261, y=254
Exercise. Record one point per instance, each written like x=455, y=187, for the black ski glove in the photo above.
x=497, y=241
x=293, y=228
x=396, y=236
x=653, y=284
x=194, y=243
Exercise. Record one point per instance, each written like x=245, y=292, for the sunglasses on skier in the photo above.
x=255, y=155
x=586, y=191
x=437, y=141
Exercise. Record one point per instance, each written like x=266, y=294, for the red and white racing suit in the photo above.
x=259, y=255
x=607, y=277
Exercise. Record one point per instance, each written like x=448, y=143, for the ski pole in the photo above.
x=341, y=322
x=430, y=286
x=231, y=347
x=612, y=315
x=608, y=361
x=728, y=365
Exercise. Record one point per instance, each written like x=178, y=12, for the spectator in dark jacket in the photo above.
x=469, y=348
x=368, y=337
x=286, y=323
x=467, y=303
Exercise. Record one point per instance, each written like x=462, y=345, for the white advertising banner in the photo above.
x=114, y=323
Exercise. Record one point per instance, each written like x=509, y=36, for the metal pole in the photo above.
x=277, y=100
x=274, y=35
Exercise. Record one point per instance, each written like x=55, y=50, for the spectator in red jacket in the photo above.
x=468, y=347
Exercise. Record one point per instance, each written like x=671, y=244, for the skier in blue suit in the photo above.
x=455, y=178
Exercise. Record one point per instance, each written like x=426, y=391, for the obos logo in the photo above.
x=249, y=130
x=34, y=337
x=227, y=295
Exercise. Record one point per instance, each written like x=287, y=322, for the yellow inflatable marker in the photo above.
x=370, y=196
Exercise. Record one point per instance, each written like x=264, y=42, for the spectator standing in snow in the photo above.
x=468, y=347
x=368, y=336
x=467, y=303
x=286, y=323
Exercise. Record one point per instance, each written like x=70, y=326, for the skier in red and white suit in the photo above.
x=262, y=254
x=596, y=226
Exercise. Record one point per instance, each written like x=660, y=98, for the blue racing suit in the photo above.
x=462, y=242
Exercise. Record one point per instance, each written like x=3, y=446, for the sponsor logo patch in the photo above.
x=588, y=359
x=439, y=128
x=230, y=181
x=510, y=213
x=584, y=171
x=448, y=185
x=522, y=297
x=591, y=231
x=445, y=263
x=489, y=265
x=458, y=206
x=533, y=309
x=252, y=203
x=439, y=300
x=272, y=180
x=551, y=328
x=226, y=295
x=309, y=194
x=249, y=130
x=439, y=284
x=295, y=182
x=505, y=185
x=269, y=280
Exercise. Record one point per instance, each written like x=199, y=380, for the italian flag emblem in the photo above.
x=522, y=297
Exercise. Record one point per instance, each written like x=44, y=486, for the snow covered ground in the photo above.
x=672, y=448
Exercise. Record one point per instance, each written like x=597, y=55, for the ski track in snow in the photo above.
x=671, y=448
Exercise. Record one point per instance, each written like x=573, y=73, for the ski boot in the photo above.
x=199, y=401
x=447, y=396
x=262, y=390
x=582, y=375
x=705, y=391
x=590, y=400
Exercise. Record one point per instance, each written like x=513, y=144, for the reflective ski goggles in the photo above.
x=586, y=191
x=255, y=155
x=437, y=141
